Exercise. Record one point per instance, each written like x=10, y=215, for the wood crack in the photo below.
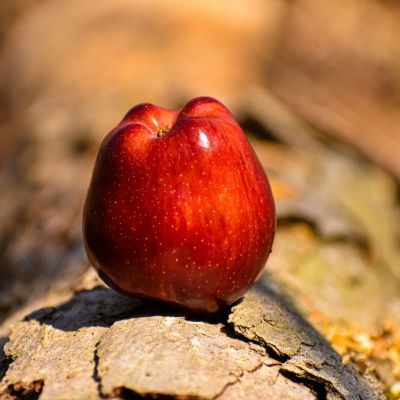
x=237, y=380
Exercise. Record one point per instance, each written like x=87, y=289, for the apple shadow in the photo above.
x=99, y=306
x=103, y=307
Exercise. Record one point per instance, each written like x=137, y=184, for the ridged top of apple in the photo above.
x=179, y=208
x=158, y=119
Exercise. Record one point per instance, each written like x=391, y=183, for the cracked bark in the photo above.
x=100, y=344
x=265, y=317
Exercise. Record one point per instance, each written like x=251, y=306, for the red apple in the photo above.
x=179, y=208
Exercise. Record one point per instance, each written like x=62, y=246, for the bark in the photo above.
x=100, y=344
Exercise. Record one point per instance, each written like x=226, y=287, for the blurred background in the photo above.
x=316, y=87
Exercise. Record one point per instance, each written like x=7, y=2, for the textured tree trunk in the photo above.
x=99, y=344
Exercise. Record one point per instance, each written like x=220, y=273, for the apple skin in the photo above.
x=179, y=208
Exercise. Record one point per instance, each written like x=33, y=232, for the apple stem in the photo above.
x=163, y=131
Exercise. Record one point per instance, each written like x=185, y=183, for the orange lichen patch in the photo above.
x=376, y=352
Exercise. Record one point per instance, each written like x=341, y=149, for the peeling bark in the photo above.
x=265, y=317
x=100, y=344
